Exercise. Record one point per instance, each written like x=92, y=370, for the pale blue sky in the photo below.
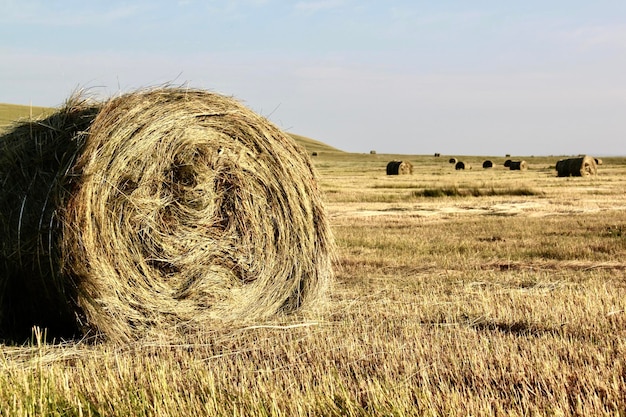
x=532, y=77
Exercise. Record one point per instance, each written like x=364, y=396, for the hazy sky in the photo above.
x=532, y=77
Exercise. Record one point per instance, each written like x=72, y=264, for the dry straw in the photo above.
x=462, y=165
x=517, y=165
x=154, y=209
x=576, y=167
x=399, y=168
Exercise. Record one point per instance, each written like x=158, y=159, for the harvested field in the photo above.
x=505, y=296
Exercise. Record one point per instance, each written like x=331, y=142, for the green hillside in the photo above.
x=10, y=113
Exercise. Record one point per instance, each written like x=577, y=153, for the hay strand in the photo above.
x=158, y=208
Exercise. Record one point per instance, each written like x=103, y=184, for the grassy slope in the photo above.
x=12, y=112
x=313, y=145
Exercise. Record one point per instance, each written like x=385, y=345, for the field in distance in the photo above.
x=476, y=292
x=9, y=113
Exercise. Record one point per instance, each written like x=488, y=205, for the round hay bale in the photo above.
x=518, y=165
x=452, y=160
x=559, y=167
x=459, y=165
x=156, y=209
x=399, y=168
x=372, y=152
x=598, y=161
x=576, y=167
x=507, y=163
x=313, y=153
x=437, y=154
x=487, y=164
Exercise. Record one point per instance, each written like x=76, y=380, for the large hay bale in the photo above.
x=487, y=164
x=156, y=209
x=518, y=165
x=399, y=168
x=507, y=163
x=460, y=165
x=452, y=160
x=598, y=161
x=576, y=167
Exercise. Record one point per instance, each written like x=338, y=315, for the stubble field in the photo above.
x=478, y=292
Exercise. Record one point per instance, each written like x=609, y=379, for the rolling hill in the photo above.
x=312, y=145
x=12, y=112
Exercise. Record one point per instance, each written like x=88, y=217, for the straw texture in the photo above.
x=176, y=207
x=576, y=167
x=518, y=165
x=399, y=168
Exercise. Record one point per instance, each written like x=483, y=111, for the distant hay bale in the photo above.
x=508, y=155
x=372, y=152
x=313, y=153
x=507, y=163
x=487, y=164
x=598, y=161
x=576, y=167
x=452, y=160
x=460, y=165
x=399, y=168
x=437, y=155
x=518, y=166
x=157, y=209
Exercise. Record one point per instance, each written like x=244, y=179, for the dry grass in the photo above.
x=577, y=167
x=9, y=113
x=164, y=207
x=399, y=168
x=453, y=305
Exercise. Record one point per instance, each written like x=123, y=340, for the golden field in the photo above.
x=477, y=292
